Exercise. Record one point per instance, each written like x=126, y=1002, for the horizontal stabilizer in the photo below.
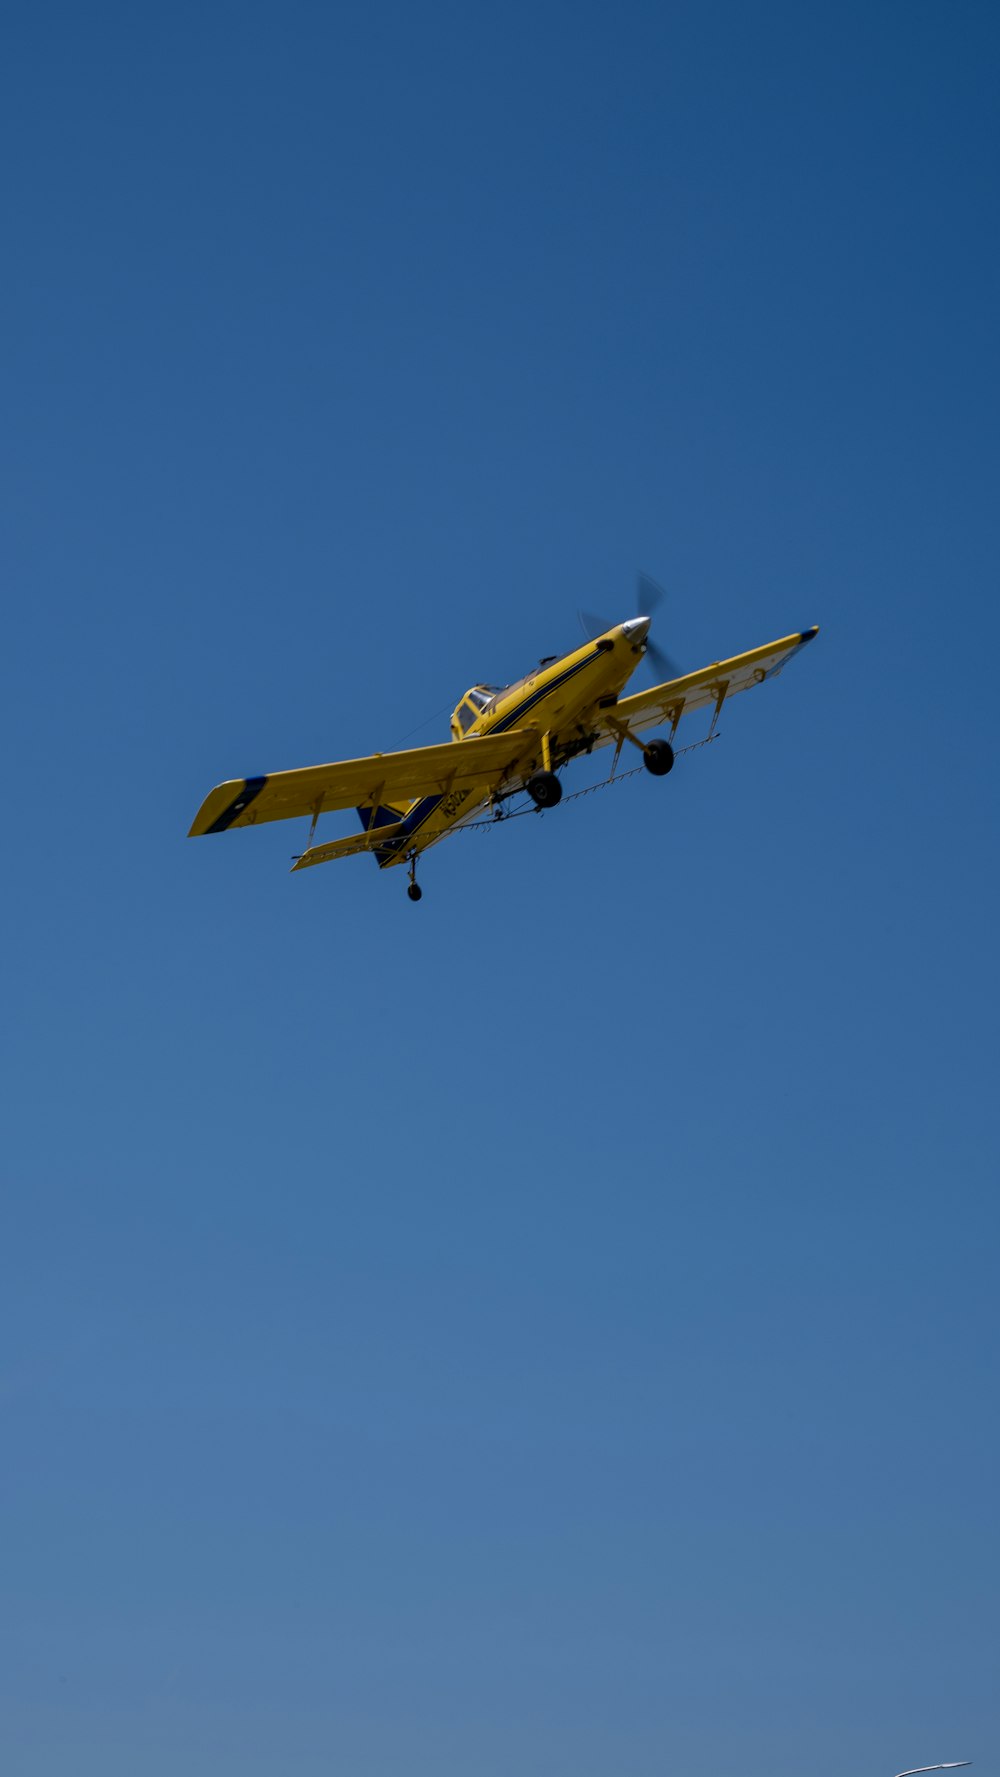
x=348, y=848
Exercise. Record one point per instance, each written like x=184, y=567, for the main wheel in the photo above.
x=658, y=757
x=414, y=891
x=544, y=789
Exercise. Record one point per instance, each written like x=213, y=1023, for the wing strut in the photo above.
x=720, y=697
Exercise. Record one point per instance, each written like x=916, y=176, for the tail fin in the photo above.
x=383, y=816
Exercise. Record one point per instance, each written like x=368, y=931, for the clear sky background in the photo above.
x=552, y=1329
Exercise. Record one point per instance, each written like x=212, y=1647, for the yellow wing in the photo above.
x=353, y=783
x=707, y=689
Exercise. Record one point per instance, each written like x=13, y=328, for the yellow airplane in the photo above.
x=505, y=740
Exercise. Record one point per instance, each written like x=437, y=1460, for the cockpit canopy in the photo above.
x=471, y=708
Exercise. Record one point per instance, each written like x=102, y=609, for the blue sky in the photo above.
x=554, y=1328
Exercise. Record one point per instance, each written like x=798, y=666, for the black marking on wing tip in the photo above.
x=806, y=635
x=252, y=787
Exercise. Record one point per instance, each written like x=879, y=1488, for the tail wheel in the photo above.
x=544, y=789
x=658, y=757
x=414, y=891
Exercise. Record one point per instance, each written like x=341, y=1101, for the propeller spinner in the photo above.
x=650, y=595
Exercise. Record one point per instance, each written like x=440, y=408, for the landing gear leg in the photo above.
x=657, y=755
x=543, y=786
x=414, y=889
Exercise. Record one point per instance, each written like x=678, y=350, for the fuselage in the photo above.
x=559, y=700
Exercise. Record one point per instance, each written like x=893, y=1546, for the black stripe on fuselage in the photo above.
x=528, y=703
x=416, y=818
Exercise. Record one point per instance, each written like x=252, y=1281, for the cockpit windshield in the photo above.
x=481, y=695
x=472, y=706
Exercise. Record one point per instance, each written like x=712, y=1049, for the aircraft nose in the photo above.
x=636, y=630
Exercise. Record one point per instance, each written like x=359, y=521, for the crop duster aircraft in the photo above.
x=505, y=740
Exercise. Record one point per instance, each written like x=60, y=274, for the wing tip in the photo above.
x=808, y=635
x=224, y=805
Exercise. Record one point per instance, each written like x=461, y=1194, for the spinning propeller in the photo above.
x=650, y=595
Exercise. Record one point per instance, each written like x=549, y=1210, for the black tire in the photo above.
x=414, y=891
x=544, y=789
x=658, y=757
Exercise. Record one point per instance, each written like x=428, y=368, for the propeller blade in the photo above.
x=592, y=626
x=661, y=662
x=650, y=593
